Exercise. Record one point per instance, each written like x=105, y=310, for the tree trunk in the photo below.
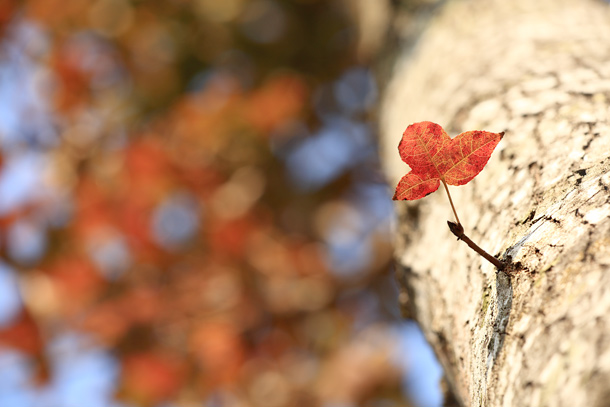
x=540, y=71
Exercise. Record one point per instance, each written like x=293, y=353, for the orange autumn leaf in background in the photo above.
x=23, y=334
x=434, y=157
x=151, y=377
x=278, y=100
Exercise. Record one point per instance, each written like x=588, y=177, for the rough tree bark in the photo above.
x=540, y=71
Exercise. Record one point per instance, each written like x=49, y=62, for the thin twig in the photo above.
x=458, y=230
x=451, y=201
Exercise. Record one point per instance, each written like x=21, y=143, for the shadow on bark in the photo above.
x=504, y=292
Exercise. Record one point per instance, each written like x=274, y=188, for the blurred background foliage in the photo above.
x=191, y=208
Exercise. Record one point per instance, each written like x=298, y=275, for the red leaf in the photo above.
x=434, y=157
x=23, y=334
x=151, y=377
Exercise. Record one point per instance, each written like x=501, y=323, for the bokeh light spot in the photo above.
x=26, y=241
x=111, y=254
x=21, y=180
x=111, y=17
x=356, y=90
x=10, y=300
x=219, y=11
x=264, y=21
x=175, y=221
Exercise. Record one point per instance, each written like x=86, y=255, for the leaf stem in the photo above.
x=451, y=202
x=458, y=231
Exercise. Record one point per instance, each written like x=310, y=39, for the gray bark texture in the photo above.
x=538, y=70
